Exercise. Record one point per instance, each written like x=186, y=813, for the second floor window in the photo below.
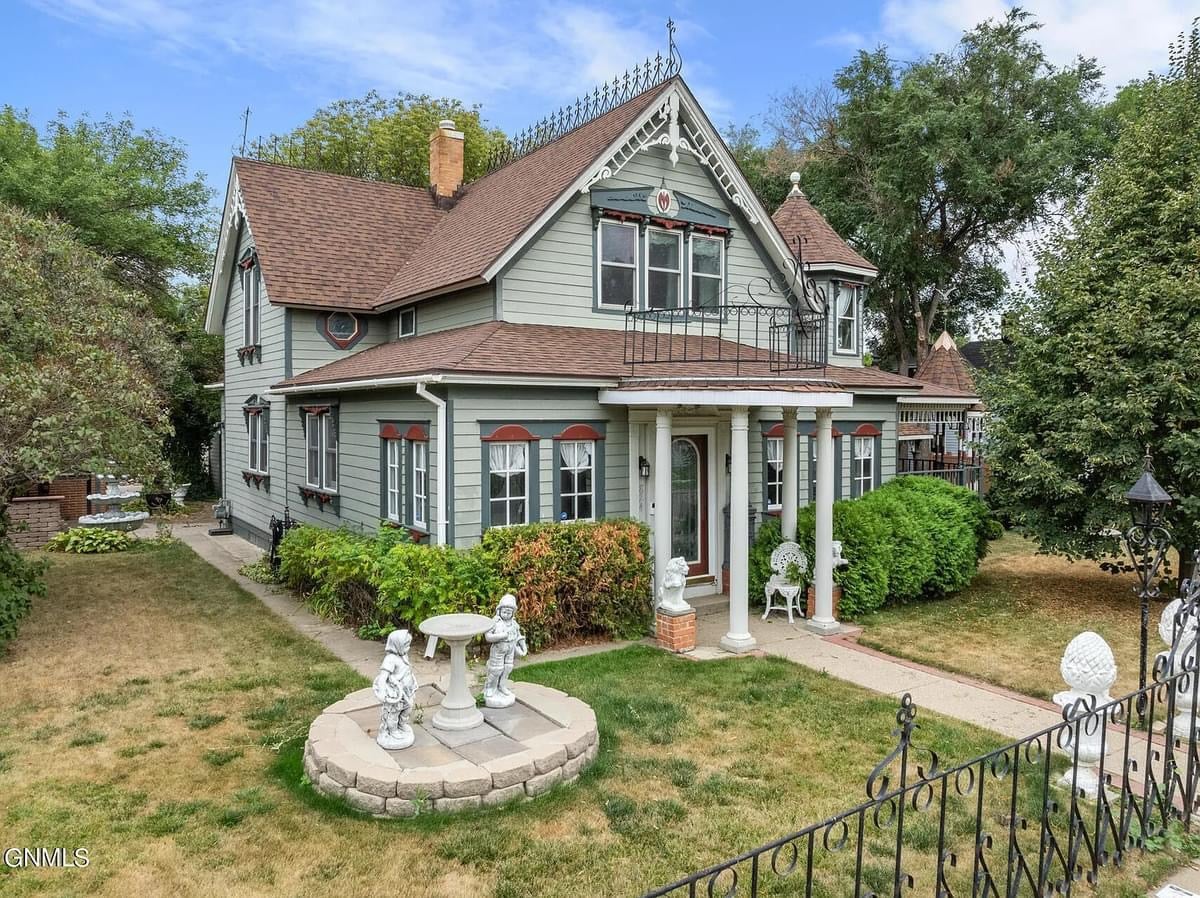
x=258, y=440
x=508, y=465
x=708, y=271
x=321, y=445
x=847, y=317
x=664, y=258
x=251, y=301
x=576, y=472
x=408, y=322
x=618, y=264
x=774, y=472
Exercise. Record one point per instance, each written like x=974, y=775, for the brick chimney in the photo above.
x=445, y=160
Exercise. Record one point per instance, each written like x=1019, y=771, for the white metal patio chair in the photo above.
x=785, y=555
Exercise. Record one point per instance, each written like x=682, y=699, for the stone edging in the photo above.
x=341, y=761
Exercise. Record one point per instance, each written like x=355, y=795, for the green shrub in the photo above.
x=91, y=541
x=912, y=563
x=576, y=579
x=20, y=580
x=415, y=582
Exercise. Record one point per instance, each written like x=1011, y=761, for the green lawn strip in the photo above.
x=698, y=761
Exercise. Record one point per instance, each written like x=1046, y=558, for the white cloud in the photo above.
x=1128, y=39
x=477, y=50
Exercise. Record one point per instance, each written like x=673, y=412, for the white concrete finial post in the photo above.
x=791, y=474
x=1089, y=669
x=1184, y=641
x=662, y=496
x=823, y=618
x=738, y=639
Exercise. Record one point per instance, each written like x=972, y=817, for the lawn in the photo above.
x=154, y=713
x=1011, y=625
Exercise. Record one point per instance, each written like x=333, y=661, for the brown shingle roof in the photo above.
x=498, y=347
x=797, y=217
x=496, y=209
x=945, y=367
x=328, y=240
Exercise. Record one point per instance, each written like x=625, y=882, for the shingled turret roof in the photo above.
x=946, y=367
x=798, y=218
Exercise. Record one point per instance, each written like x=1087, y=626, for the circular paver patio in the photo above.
x=545, y=738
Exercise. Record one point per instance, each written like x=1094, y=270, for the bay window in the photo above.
x=664, y=274
x=708, y=271
x=618, y=264
x=508, y=465
x=576, y=480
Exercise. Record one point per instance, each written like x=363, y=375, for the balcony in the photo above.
x=736, y=339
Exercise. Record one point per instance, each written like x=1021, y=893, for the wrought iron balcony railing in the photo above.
x=738, y=338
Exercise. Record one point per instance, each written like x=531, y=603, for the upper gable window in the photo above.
x=251, y=300
x=664, y=274
x=847, y=317
x=708, y=271
x=618, y=264
x=408, y=322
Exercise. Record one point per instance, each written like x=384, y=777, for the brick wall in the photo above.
x=34, y=520
x=74, y=491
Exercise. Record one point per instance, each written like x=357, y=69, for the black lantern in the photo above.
x=643, y=466
x=1146, y=542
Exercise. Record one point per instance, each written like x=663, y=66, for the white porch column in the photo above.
x=662, y=496
x=823, y=564
x=738, y=639
x=791, y=473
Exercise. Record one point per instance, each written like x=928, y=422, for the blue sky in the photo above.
x=189, y=67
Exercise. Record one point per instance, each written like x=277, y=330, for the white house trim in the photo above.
x=234, y=212
x=708, y=398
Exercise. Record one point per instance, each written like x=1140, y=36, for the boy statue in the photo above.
x=507, y=644
x=396, y=688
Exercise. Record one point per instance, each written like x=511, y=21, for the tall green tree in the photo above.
x=127, y=193
x=381, y=138
x=1106, y=354
x=929, y=167
x=767, y=168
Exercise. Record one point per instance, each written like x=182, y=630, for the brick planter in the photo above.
x=676, y=632
x=34, y=520
x=811, y=607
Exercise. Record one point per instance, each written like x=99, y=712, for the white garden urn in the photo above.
x=1184, y=641
x=1089, y=668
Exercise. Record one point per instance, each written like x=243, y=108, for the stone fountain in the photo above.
x=456, y=755
x=112, y=497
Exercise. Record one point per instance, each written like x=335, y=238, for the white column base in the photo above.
x=823, y=626
x=738, y=643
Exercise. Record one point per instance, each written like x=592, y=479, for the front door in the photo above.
x=689, y=501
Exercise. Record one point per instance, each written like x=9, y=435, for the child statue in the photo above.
x=396, y=688
x=507, y=645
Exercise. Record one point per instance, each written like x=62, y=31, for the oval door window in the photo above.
x=685, y=499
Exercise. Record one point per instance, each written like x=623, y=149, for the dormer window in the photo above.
x=251, y=300
x=618, y=264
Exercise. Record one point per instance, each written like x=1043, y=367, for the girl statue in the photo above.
x=396, y=688
x=507, y=644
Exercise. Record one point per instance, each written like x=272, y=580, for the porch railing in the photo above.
x=738, y=337
x=970, y=476
x=1016, y=821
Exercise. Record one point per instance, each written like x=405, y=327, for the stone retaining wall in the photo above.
x=34, y=520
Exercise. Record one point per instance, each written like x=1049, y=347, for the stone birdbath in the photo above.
x=457, y=711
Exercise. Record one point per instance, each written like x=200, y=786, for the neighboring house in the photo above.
x=946, y=446
x=608, y=325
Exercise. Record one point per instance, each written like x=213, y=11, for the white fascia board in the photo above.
x=914, y=437
x=936, y=400
x=465, y=379
x=346, y=385
x=857, y=271
x=730, y=397
x=218, y=289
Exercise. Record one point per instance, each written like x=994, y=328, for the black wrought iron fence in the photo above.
x=744, y=336
x=1030, y=818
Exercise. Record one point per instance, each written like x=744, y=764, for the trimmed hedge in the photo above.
x=573, y=580
x=913, y=538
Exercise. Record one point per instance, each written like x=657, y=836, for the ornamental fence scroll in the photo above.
x=998, y=826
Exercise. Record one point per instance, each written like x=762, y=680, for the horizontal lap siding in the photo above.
x=474, y=404
x=251, y=504
x=311, y=350
x=457, y=310
x=358, y=457
x=552, y=281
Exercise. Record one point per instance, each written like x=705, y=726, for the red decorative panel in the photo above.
x=416, y=432
x=868, y=430
x=389, y=432
x=509, y=433
x=315, y=409
x=580, y=432
x=776, y=431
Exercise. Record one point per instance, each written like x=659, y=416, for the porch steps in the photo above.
x=717, y=603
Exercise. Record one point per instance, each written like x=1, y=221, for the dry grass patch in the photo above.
x=1011, y=625
x=698, y=761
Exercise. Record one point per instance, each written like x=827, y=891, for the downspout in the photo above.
x=440, y=405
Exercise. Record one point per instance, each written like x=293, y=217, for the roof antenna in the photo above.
x=245, y=128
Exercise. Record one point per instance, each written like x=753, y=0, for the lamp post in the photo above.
x=1146, y=542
